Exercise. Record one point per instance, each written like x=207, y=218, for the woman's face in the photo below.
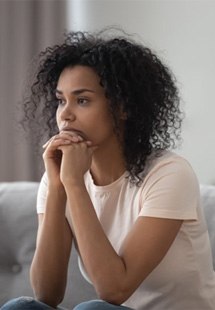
x=83, y=107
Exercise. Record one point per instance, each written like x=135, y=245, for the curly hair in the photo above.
x=132, y=77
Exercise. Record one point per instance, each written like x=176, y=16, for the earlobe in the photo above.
x=123, y=116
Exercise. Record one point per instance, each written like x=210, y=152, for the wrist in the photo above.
x=72, y=185
x=73, y=182
x=57, y=190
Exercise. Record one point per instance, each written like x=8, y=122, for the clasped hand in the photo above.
x=67, y=157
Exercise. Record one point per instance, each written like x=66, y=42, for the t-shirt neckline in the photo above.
x=107, y=187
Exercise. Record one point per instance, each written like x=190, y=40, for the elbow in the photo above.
x=49, y=300
x=48, y=296
x=114, y=295
x=115, y=299
x=46, y=293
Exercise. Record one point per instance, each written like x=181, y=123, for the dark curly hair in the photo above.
x=132, y=77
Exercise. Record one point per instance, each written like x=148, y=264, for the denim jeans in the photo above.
x=28, y=303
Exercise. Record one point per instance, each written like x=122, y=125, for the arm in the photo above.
x=48, y=272
x=115, y=276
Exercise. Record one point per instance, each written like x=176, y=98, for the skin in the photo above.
x=87, y=141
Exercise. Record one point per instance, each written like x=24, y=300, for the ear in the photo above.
x=122, y=114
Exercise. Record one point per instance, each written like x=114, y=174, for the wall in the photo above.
x=183, y=35
x=26, y=28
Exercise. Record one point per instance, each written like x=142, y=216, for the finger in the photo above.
x=55, y=143
x=47, y=143
x=69, y=134
x=89, y=143
x=63, y=138
x=71, y=138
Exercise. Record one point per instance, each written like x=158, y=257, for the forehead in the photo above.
x=78, y=76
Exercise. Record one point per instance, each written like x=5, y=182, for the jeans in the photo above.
x=28, y=303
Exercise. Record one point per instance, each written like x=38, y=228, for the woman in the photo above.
x=111, y=185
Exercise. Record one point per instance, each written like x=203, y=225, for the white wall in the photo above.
x=183, y=34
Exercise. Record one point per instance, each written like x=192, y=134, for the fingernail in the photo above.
x=89, y=142
x=45, y=145
x=80, y=138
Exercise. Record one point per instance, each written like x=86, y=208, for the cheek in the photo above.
x=104, y=125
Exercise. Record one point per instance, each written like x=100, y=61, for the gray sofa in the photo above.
x=18, y=225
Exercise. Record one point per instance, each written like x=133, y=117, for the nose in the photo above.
x=66, y=112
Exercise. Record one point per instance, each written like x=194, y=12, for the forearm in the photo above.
x=49, y=267
x=105, y=268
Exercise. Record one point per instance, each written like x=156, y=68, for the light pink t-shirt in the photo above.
x=184, y=279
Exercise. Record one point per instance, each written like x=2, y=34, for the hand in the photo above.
x=52, y=155
x=76, y=161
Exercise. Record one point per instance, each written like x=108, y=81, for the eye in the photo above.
x=60, y=101
x=82, y=101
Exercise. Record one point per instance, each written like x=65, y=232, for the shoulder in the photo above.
x=171, y=187
x=169, y=165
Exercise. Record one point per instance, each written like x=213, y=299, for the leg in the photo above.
x=99, y=305
x=25, y=303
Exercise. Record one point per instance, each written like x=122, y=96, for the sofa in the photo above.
x=18, y=226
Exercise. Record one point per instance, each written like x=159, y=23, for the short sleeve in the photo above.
x=42, y=194
x=171, y=190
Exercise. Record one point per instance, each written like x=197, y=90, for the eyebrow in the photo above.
x=76, y=92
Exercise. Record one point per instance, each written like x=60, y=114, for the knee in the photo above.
x=17, y=303
x=90, y=305
x=22, y=303
x=99, y=305
x=94, y=305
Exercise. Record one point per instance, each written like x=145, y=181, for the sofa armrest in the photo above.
x=18, y=225
x=208, y=204
x=18, y=229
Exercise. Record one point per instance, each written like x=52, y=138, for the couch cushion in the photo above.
x=18, y=210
